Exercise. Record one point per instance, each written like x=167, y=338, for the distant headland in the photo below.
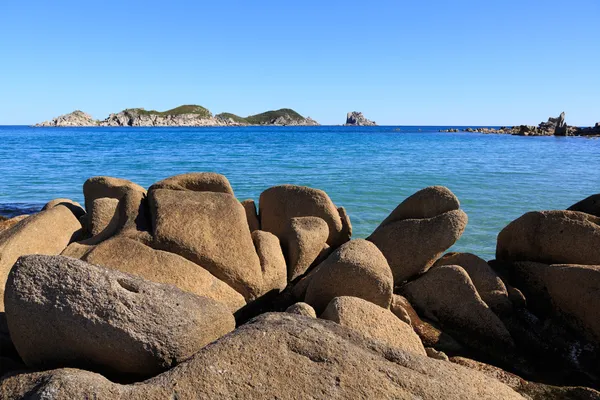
x=186, y=115
x=553, y=127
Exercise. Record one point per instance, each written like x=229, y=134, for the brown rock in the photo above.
x=426, y=203
x=302, y=309
x=10, y=222
x=132, y=210
x=303, y=242
x=74, y=206
x=411, y=246
x=284, y=356
x=211, y=230
x=399, y=309
x=196, y=182
x=279, y=204
x=346, y=233
x=251, y=215
x=272, y=262
x=488, y=284
x=374, y=322
x=447, y=294
x=104, y=218
x=63, y=312
x=571, y=289
x=589, y=205
x=47, y=232
x=551, y=237
x=357, y=268
x=127, y=255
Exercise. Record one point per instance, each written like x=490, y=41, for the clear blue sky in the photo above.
x=400, y=62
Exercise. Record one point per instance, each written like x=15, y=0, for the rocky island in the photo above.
x=355, y=118
x=182, y=291
x=186, y=115
x=553, y=127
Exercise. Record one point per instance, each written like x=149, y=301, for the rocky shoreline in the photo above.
x=181, y=291
x=553, y=127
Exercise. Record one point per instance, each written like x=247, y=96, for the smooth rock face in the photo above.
x=196, y=182
x=551, y=237
x=301, y=308
x=374, y=322
x=411, y=246
x=133, y=216
x=589, y=205
x=211, y=230
x=284, y=356
x=357, y=268
x=303, y=241
x=64, y=312
x=488, y=284
x=104, y=217
x=573, y=291
x=279, y=204
x=47, y=232
x=74, y=206
x=251, y=214
x=447, y=294
x=127, y=255
x=426, y=203
x=272, y=262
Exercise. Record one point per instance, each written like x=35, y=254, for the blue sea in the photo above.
x=368, y=170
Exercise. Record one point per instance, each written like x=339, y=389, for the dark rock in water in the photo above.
x=589, y=205
x=356, y=118
x=281, y=356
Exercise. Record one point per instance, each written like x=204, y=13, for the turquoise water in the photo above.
x=368, y=170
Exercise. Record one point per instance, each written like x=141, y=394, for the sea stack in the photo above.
x=356, y=118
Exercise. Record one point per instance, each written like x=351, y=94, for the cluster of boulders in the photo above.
x=553, y=127
x=182, y=291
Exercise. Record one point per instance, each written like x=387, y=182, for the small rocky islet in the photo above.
x=553, y=127
x=182, y=291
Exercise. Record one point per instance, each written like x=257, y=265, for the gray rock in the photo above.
x=64, y=312
x=355, y=118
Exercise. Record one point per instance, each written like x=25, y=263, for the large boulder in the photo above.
x=589, y=205
x=357, y=268
x=488, y=284
x=426, y=203
x=47, y=232
x=301, y=308
x=411, y=246
x=572, y=291
x=374, y=322
x=74, y=206
x=447, y=295
x=551, y=237
x=279, y=204
x=132, y=209
x=303, y=242
x=195, y=182
x=127, y=255
x=64, y=312
x=272, y=262
x=210, y=229
x=282, y=356
x=251, y=214
x=104, y=217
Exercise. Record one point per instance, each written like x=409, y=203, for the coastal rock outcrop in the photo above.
x=419, y=230
x=47, y=232
x=284, y=355
x=356, y=118
x=76, y=118
x=358, y=269
x=63, y=312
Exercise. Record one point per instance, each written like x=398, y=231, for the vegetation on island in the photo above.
x=267, y=117
x=233, y=117
x=185, y=109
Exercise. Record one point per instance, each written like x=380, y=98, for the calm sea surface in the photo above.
x=368, y=170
